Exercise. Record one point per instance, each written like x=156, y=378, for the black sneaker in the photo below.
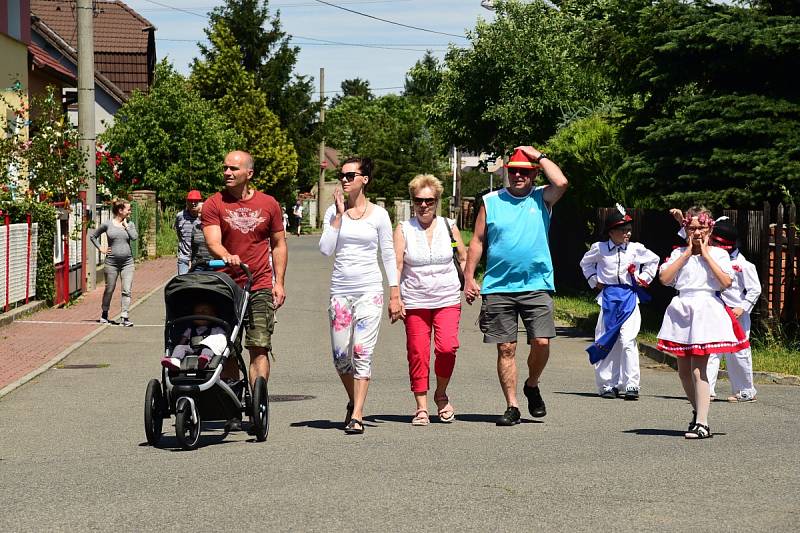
x=535, y=402
x=510, y=417
x=126, y=323
x=632, y=394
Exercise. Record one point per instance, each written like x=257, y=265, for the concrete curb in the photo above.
x=21, y=311
x=63, y=354
x=583, y=325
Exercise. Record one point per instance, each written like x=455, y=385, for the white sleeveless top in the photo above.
x=429, y=279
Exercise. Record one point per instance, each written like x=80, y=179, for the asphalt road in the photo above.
x=73, y=455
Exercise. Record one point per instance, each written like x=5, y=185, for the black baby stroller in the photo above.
x=195, y=395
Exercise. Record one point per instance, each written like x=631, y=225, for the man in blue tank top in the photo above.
x=512, y=225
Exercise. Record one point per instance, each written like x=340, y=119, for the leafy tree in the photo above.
x=267, y=53
x=170, y=139
x=424, y=78
x=518, y=77
x=714, y=111
x=591, y=155
x=223, y=80
x=391, y=130
x=356, y=87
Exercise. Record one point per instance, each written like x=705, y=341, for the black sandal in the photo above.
x=348, y=414
x=699, y=431
x=355, y=427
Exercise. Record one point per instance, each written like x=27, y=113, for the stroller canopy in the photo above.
x=183, y=292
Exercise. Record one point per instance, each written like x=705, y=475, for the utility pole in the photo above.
x=322, y=160
x=86, y=122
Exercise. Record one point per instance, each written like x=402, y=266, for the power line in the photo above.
x=388, y=21
x=370, y=89
x=177, y=9
x=323, y=42
x=283, y=6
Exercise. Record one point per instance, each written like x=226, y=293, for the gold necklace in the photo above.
x=366, y=205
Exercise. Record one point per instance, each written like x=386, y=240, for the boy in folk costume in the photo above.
x=741, y=298
x=619, y=269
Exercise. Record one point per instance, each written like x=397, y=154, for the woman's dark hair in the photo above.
x=364, y=166
x=118, y=205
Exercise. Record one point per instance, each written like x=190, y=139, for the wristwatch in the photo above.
x=541, y=156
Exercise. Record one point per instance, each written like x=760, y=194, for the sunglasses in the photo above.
x=426, y=201
x=520, y=171
x=349, y=176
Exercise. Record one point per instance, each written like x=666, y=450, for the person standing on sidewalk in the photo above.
x=297, y=213
x=185, y=222
x=353, y=230
x=119, y=257
x=512, y=224
x=242, y=225
x=430, y=292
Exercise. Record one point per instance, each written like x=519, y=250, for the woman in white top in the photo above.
x=697, y=323
x=354, y=229
x=430, y=293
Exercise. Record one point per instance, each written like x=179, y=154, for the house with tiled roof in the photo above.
x=124, y=50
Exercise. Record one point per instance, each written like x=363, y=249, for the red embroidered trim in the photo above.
x=685, y=350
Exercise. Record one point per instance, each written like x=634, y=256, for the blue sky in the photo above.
x=307, y=20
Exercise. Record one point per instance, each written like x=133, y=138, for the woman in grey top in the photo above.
x=119, y=258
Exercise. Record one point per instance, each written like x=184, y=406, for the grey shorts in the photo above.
x=500, y=311
x=261, y=320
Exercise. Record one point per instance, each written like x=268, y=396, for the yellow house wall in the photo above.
x=13, y=67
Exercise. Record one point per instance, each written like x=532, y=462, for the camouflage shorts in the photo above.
x=261, y=320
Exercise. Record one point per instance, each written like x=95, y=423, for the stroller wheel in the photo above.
x=259, y=412
x=153, y=412
x=187, y=431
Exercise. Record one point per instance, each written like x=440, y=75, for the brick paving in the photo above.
x=38, y=339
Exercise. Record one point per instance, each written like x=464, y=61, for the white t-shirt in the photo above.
x=356, y=243
x=429, y=279
x=298, y=210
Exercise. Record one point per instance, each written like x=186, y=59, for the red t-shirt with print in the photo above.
x=246, y=228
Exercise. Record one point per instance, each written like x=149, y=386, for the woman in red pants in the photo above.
x=430, y=291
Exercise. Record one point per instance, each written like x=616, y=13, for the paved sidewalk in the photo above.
x=31, y=345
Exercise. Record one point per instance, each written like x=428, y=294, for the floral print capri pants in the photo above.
x=355, y=322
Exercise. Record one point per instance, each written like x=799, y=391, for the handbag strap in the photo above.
x=453, y=242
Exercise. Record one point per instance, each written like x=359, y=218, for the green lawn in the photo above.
x=771, y=355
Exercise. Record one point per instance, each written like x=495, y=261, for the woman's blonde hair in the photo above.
x=425, y=180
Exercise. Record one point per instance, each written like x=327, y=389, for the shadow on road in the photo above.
x=584, y=394
x=574, y=333
x=489, y=419
x=317, y=424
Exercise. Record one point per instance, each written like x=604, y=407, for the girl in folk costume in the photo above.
x=741, y=298
x=620, y=270
x=697, y=323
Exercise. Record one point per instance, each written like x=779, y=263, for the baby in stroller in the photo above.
x=198, y=339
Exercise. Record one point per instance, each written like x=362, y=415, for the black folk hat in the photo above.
x=724, y=234
x=617, y=218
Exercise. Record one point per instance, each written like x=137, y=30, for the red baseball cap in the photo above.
x=194, y=194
